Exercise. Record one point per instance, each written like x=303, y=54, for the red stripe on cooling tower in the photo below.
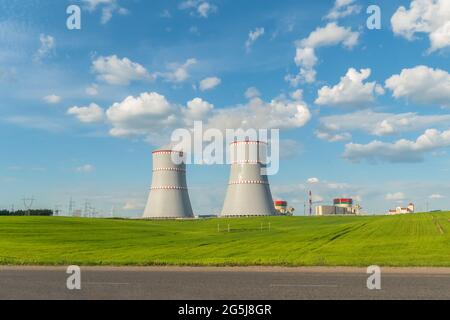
x=167, y=152
x=168, y=188
x=281, y=203
x=248, y=182
x=169, y=169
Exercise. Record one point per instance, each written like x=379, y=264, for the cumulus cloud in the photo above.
x=108, y=8
x=209, y=83
x=436, y=196
x=400, y=151
x=178, y=73
x=421, y=84
x=47, y=47
x=330, y=35
x=145, y=114
x=332, y=137
x=90, y=114
x=342, y=9
x=151, y=115
x=313, y=180
x=52, y=99
x=351, y=90
x=116, y=71
x=252, y=92
x=197, y=109
x=431, y=17
x=253, y=36
x=201, y=8
x=339, y=127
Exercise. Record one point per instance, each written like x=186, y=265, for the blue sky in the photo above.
x=363, y=113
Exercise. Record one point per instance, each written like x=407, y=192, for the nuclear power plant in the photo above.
x=248, y=193
x=248, y=189
x=169, y=197
x=341, y=206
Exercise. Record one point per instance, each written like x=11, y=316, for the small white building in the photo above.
x=400, y=210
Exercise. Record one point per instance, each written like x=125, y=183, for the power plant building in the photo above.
x=169, y=197
x=282, y=208
x=248, y=189
x=341, y=206
x=400, y=210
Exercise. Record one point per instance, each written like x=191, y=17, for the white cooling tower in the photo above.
x=169, y=197
x=248, y=190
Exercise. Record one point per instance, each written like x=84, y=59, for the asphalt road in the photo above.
x=222, y=283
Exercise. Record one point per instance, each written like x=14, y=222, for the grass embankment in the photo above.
x=409, y=240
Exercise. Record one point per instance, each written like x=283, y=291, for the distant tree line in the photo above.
x=20, y=213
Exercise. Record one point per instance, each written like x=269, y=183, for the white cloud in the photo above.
x=90, y=114
x=397, y=196
x=197, y=109
x=431, y=17
x=209, y=83
x=48, y=44
x=52, y=99
x=252, y=37
x=108, y=8
x=351, y=90
x=87, y=168
x=145, y=114
x=342, y=9
x=252, y=92
x=92, y=90
x=202, y=8
x=152, y=116
x=436, y=196
x=333, y=137
x=205, y=9
x=313, y=180
x=178, y=73
x=116, y=71
x=400, y=151
x=338, y=127
x=421, y=84
x=330, y=35
x=279, y=113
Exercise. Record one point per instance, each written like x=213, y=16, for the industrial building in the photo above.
x=169, y=197
x=282, y=208
x=341, y=206
x=248, y=191
x=400, y=210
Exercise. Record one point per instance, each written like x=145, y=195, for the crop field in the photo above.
x=407, y=240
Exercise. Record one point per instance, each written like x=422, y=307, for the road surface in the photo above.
x=160, y=283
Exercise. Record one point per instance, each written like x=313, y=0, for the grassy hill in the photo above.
x=409, y=240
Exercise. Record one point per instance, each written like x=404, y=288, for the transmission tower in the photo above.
x=28, y=204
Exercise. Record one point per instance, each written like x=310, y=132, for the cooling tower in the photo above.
x=248, y=190
x=169, y=197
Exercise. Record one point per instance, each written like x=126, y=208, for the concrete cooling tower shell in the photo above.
x=169, y=197
x=248, y=190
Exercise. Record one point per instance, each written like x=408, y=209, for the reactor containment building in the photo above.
x=248, y=191
x=169, y=197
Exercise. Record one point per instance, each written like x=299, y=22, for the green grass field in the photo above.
x=409, y=240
